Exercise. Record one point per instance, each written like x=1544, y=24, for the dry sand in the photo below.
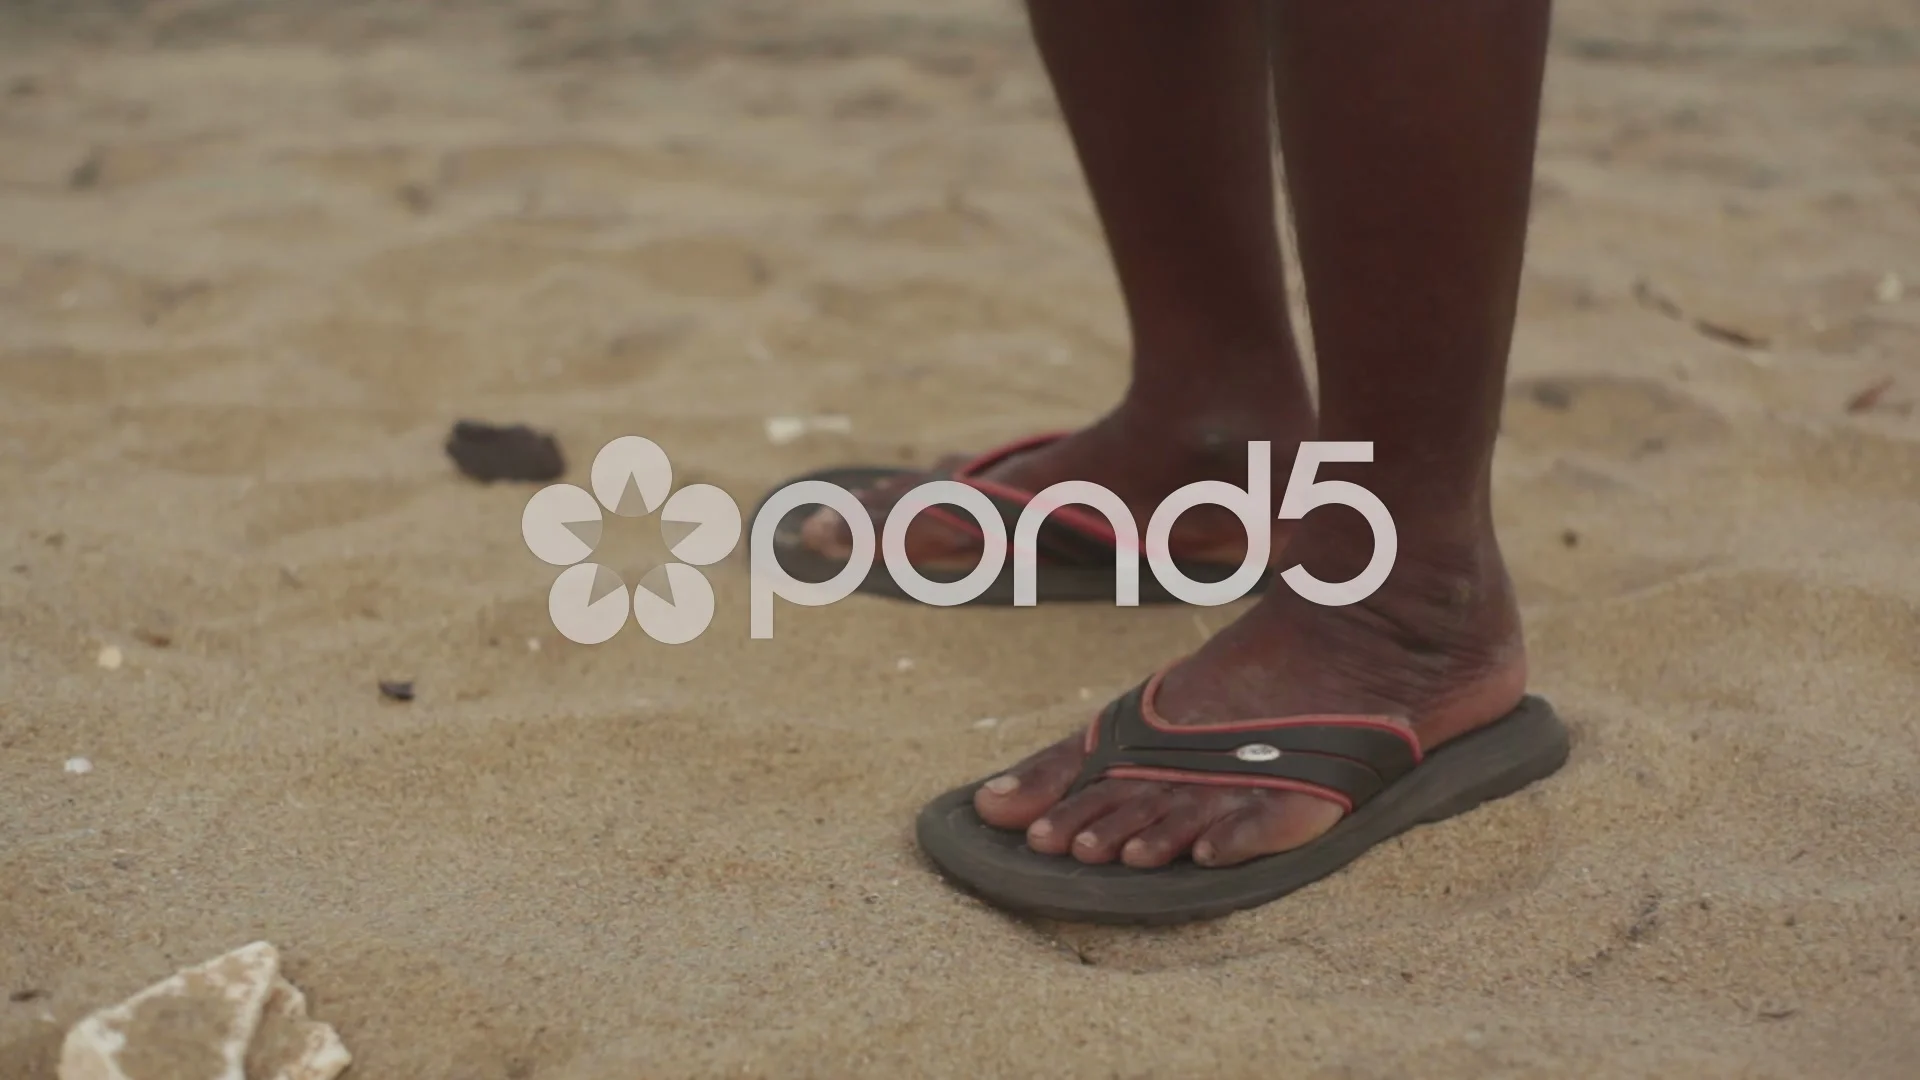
x=254, y=259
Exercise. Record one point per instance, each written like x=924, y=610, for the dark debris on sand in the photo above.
x=487, y=452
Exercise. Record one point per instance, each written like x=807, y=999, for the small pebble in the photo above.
x=79, y=766
x=109, y=657
x=1086, y=694
x=1890, y=289
x=533, y=644
x=903, y=664
x=987, y=722
x=784, y=429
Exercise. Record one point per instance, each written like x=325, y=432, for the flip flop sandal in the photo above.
x=1369, y=765
x=1075, y=545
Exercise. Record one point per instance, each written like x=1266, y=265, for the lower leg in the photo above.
x=1408, y=131
x=1168, y=107
x=1409, y=134
x=1169, y=111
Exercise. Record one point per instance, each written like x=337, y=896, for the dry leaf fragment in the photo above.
x=1729, y=335
x=1865, y=400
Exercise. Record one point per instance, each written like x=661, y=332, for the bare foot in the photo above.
x=1440, y=642
x=1135, y=452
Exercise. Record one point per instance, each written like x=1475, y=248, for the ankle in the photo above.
x=1253, y=385
x=1449, y=583
x=1207, y=439
x=1441, y=638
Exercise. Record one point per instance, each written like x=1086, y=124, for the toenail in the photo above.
x=1086, y=840
x=1002, y=785
x=1040, y=828
x=1203, y=853
x=1135, y=849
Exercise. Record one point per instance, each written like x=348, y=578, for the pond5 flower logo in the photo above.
x=631, y=477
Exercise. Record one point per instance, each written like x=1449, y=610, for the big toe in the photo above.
x=1016, y=798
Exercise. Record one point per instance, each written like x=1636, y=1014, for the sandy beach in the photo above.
x=256, y=259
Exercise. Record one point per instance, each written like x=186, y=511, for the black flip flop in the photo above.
x=1370, y=765
x=1075, y=546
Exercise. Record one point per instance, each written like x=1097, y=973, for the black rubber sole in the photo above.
x=1524, y=746
x=1053, y=582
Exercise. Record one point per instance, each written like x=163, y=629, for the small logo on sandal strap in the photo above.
x=1257, y=752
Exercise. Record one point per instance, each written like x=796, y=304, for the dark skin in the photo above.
x=1408, y=131
x=1167, y=106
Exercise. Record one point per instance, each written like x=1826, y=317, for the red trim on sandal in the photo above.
x=1072, y=516
x=1380, y=723
x=990, y=458
x=957, y=521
